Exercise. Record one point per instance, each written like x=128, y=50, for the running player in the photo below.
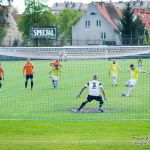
x=133, y=80
x=113, y=69
x=55, y=74
x=1, y=76
x=94, y=93
x=28, y=70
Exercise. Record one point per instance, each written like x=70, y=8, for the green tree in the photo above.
x=146, y=38
x=36, y=14
x=132, y=31
x=138, y=31
x=3, y=22
x=127, y=23
x=67, y=18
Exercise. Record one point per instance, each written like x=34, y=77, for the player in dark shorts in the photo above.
x=94, y=93
x=28, y=70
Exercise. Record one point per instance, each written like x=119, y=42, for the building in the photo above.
x=57, y=7
x=13, y=35
x=145, y=17
x=99, y=25
x=134, y=3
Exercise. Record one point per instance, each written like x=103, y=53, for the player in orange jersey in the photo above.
x=28, y=70
x=1, y=76
x=56, y=63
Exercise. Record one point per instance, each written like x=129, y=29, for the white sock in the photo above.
x=130, y=89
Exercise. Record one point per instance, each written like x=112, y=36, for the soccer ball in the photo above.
x=123, y=93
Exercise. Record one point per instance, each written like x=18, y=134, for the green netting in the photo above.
x=45, y=102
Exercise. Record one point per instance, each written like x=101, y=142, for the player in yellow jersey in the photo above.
x=140, y=64
x=114, y=69
x=55, y=74
x=130, y=84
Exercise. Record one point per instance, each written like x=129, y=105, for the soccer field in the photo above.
x=54, y=127
x=74, y=135
x=44, y=102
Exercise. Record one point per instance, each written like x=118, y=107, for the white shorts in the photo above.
x=55, y=78
x=114, y=76
x=132, y=82
x=140, y=65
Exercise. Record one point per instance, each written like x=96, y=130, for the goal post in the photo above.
x=79, y=65
x=74, y=52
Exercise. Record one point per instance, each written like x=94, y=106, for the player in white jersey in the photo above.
x=94, y=93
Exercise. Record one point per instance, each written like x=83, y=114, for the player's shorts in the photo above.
x=0, y=78
x=97, y=98
x=140, y=65
x=114, y=76
x=54, y=78
x=132, y=82
x=29, y=76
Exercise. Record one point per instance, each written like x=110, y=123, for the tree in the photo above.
x=36, y=14
x=138, y=31
x=3, y=22
x=132, y=30
x=67, y=18
x=127, y=23
x=146, y=38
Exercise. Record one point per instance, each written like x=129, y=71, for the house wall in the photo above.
x=12, y=32
x=82, y=35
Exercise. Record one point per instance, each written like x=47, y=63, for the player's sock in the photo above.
x=100, y=106
x=130, y=89
x=26, y=83
x=82, y=105
x=31, y=85
x=55, y=84
x=114, y=81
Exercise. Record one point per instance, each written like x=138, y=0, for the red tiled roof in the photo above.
x=144, y=15
x=105, y=10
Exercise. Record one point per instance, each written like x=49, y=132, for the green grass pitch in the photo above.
x=55, y=126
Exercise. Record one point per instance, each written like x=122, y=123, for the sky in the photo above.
x=19, y=4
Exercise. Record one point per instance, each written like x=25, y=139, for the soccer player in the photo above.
x=28, y=69
x=64, y=56
x=133, y=80
x=94, y=93
x=56, y=63
x=113, y=69
x=55, y=74
x=1, y=76
x=140, y=64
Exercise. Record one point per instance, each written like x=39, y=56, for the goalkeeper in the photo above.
x=55, y=74
x=94, y=93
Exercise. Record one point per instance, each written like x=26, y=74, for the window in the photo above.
x=87, y=23
x=98, y=23
x=93, y=13
x=103, y=36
